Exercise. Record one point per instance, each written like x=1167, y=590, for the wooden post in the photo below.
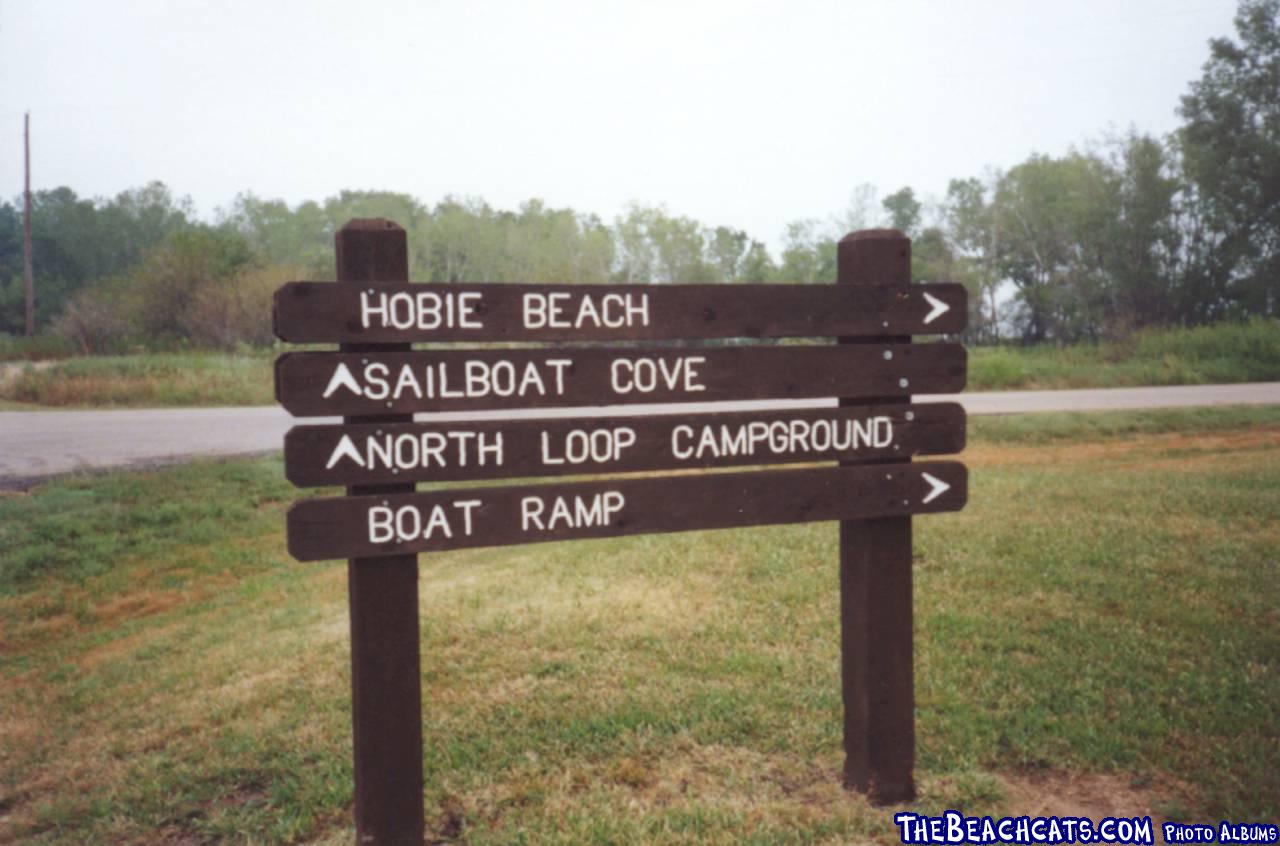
x=875, y=582
x=28, y=279
x=386, y=676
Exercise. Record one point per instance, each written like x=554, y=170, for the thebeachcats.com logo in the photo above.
x=955, y=827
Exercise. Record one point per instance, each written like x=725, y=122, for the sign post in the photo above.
x=386, y=672
x=875, y=579
x=376, y=381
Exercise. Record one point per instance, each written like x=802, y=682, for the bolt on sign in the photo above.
x=376, y=380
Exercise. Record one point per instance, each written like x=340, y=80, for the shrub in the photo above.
x=228, y=313
x=43, y=347
x=95, y=321
x=165, y=287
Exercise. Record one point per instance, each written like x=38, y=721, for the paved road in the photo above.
x=39, y=444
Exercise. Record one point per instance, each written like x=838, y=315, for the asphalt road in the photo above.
x=39, y=444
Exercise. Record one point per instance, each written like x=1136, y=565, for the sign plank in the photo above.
x=371, y=453
x=321, y=529
x=323, y=312
x=323, y=383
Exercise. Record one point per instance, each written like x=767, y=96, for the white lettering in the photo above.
x=426, y=310
x=405, y=524
x=585, y=308
x=466, y=505
x=559, y=364
x=614, y=311
x=532, y=378
x=375, y=375
x=472, y=378
x=574, y=512
x=531, y=508
x=779, y=437
x=535, y=311
x=646, y=374
x=380, y=530
x=681, y=452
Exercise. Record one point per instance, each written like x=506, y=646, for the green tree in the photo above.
x=12, y=294
x=302, y=236
x=808, y=254
x=1054, y=215
x=654, y=246
x=729, y=251
x=1143, y=240
x=76, y=240
x=459, y=242
x=757, y=265
x=904, y=211
x=680, y=244
x=973, y=230
x=1230, y=148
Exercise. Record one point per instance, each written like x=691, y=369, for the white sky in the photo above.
x=749, y=114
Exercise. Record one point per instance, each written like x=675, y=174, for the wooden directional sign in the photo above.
x=319, y=312
x=376, y=382
x=360, y=526
x=321, y=383
x=371, y=453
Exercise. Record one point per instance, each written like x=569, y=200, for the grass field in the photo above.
x=1097, y=632
x=1219, y=354
x=156, y=380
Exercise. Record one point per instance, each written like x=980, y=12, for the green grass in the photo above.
x=1226, y=353
x=141, y=381
x=1221, y=354
x=1104, y=611
x=1080, y=427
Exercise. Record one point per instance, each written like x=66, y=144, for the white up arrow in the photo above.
x=342, y=378
x=938, y=309
x=937, y=487
x=345, y=448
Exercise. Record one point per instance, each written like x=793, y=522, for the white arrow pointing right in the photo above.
x=938, y=309
x=937, y=488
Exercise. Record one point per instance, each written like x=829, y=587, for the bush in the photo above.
x=202, y=289
x=164, y=288
x=95, y=321
x=42, y=347
x=229, y=313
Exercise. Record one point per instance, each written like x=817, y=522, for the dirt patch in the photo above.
x=1095, y=795
x=120, y=647
x=141, y=604
x=250, y=795
x=11, y=370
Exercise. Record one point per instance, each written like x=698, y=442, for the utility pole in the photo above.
x=27, y=279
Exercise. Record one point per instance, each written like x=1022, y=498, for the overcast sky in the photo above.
x=749, y=114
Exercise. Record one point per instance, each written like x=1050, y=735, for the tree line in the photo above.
x=1129, y=232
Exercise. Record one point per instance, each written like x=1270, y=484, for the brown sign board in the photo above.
x=320, y=312
x=313, y=384
x=374, y=453
x=361, y=526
